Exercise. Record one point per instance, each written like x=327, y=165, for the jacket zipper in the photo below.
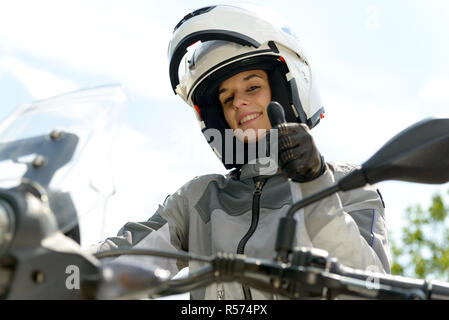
x=259, y=183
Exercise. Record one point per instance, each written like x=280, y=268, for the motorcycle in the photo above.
x=48, y=185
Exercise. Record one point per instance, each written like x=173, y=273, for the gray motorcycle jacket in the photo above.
x=221, y=213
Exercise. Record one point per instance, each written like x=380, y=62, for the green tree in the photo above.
x=424, y=248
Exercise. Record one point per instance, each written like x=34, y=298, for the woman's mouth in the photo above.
x=249, y=118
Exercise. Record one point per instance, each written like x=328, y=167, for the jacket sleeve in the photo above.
x=166, y=230
x=349, y=225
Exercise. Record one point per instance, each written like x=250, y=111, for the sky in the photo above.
x=381, y=66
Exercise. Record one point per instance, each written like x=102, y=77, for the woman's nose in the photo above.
x=240, y=99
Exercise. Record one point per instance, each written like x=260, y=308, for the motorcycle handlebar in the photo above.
x=312, y=274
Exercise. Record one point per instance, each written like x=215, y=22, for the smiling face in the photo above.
x=245, y=98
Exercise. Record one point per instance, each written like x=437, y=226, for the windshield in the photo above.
x=70, y=137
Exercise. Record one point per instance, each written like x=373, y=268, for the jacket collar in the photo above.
x=260, y=167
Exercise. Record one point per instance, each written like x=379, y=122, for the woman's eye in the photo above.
x=228, y=100
x=252, y=88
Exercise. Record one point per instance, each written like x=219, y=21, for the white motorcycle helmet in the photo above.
x=229, y=40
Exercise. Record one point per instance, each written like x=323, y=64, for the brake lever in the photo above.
x=343, y=286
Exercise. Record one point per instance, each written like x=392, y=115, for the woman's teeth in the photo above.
x=249, y=117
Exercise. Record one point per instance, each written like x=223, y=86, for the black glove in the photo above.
x=299, y=157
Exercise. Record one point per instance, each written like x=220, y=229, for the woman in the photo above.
x=242, y=63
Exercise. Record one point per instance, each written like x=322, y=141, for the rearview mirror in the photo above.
x=419, y=154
